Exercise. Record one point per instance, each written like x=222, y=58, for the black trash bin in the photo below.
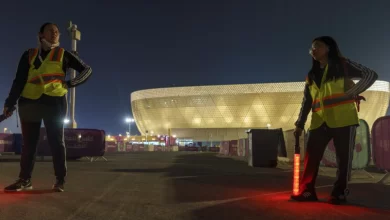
x=263, y=147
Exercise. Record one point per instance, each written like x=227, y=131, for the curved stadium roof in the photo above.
x=235, y=106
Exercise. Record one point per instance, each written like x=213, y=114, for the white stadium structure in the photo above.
x=225, y=112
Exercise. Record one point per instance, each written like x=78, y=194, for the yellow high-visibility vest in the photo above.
x=331, y=105
x=48, y=78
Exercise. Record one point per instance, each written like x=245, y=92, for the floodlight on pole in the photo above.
x=129, y=121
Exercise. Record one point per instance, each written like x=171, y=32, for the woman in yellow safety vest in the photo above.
x=330, y=95
x=40, y=89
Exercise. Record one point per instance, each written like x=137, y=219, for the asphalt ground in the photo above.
x=181, y=185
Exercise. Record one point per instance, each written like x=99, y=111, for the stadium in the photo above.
x=226, y=112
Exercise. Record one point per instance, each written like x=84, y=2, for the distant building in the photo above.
x=224, y=112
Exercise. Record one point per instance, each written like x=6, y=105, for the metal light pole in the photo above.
x=75, y=36
x=130, y=120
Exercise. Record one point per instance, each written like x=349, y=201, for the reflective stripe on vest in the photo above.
x=48, y=78
x=330, y=104
x=56, y=54
x=332, y=101
x=32, y=54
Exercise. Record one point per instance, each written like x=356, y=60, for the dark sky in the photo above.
x=134, y=45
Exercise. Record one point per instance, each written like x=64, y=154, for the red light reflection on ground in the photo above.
x=281, y=201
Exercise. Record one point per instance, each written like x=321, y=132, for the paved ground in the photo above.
x=180, y=185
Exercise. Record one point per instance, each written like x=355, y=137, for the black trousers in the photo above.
x=52, y=110
x=318, y=139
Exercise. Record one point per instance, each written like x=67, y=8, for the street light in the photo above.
x=75, y=35
x=66, y=121
x=130, y=120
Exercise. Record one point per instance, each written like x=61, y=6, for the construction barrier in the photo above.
x=158, y=148
x=78, y=142
x=233, y=145
x=6, y=142
x=139, y=147
x=111, y=146
x=214, y=149
x=191, y=148
x=11, y=143
x=381, y=143
x=241, y=148
x=224, y=149
x=361, y=151
x=121, y=146
x=246, y=147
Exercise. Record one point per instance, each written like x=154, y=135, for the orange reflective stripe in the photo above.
x=52, y=54
x=316, y=103
x=60, y=53
x=32, y=53
x=329, y=97
x=56, y=54
x=337, y=100
x=339, y=103
x=316, y=106
x=316, y=109
x=332, y=101
x=333, y=105
x=48, y=78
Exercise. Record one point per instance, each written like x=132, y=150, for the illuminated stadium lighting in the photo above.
x=242, y=106
x=129, y=120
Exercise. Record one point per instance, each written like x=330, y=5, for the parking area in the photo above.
x=181, y=185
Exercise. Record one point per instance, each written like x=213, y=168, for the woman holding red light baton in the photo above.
x=333, y=98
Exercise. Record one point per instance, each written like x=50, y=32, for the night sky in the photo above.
x=147, y=44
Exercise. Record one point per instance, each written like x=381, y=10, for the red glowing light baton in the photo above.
x=296, y=166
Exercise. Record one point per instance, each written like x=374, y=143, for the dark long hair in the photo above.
x=42, y=28
x=335, y=61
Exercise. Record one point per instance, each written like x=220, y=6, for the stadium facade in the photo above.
x=226, y=112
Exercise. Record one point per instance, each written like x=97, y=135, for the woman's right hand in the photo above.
x=298, y=131
x=6, y=112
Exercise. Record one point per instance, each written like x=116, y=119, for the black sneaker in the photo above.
x=305, y=196
x=337, y=200
x=19, y=185
x=59, y=186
